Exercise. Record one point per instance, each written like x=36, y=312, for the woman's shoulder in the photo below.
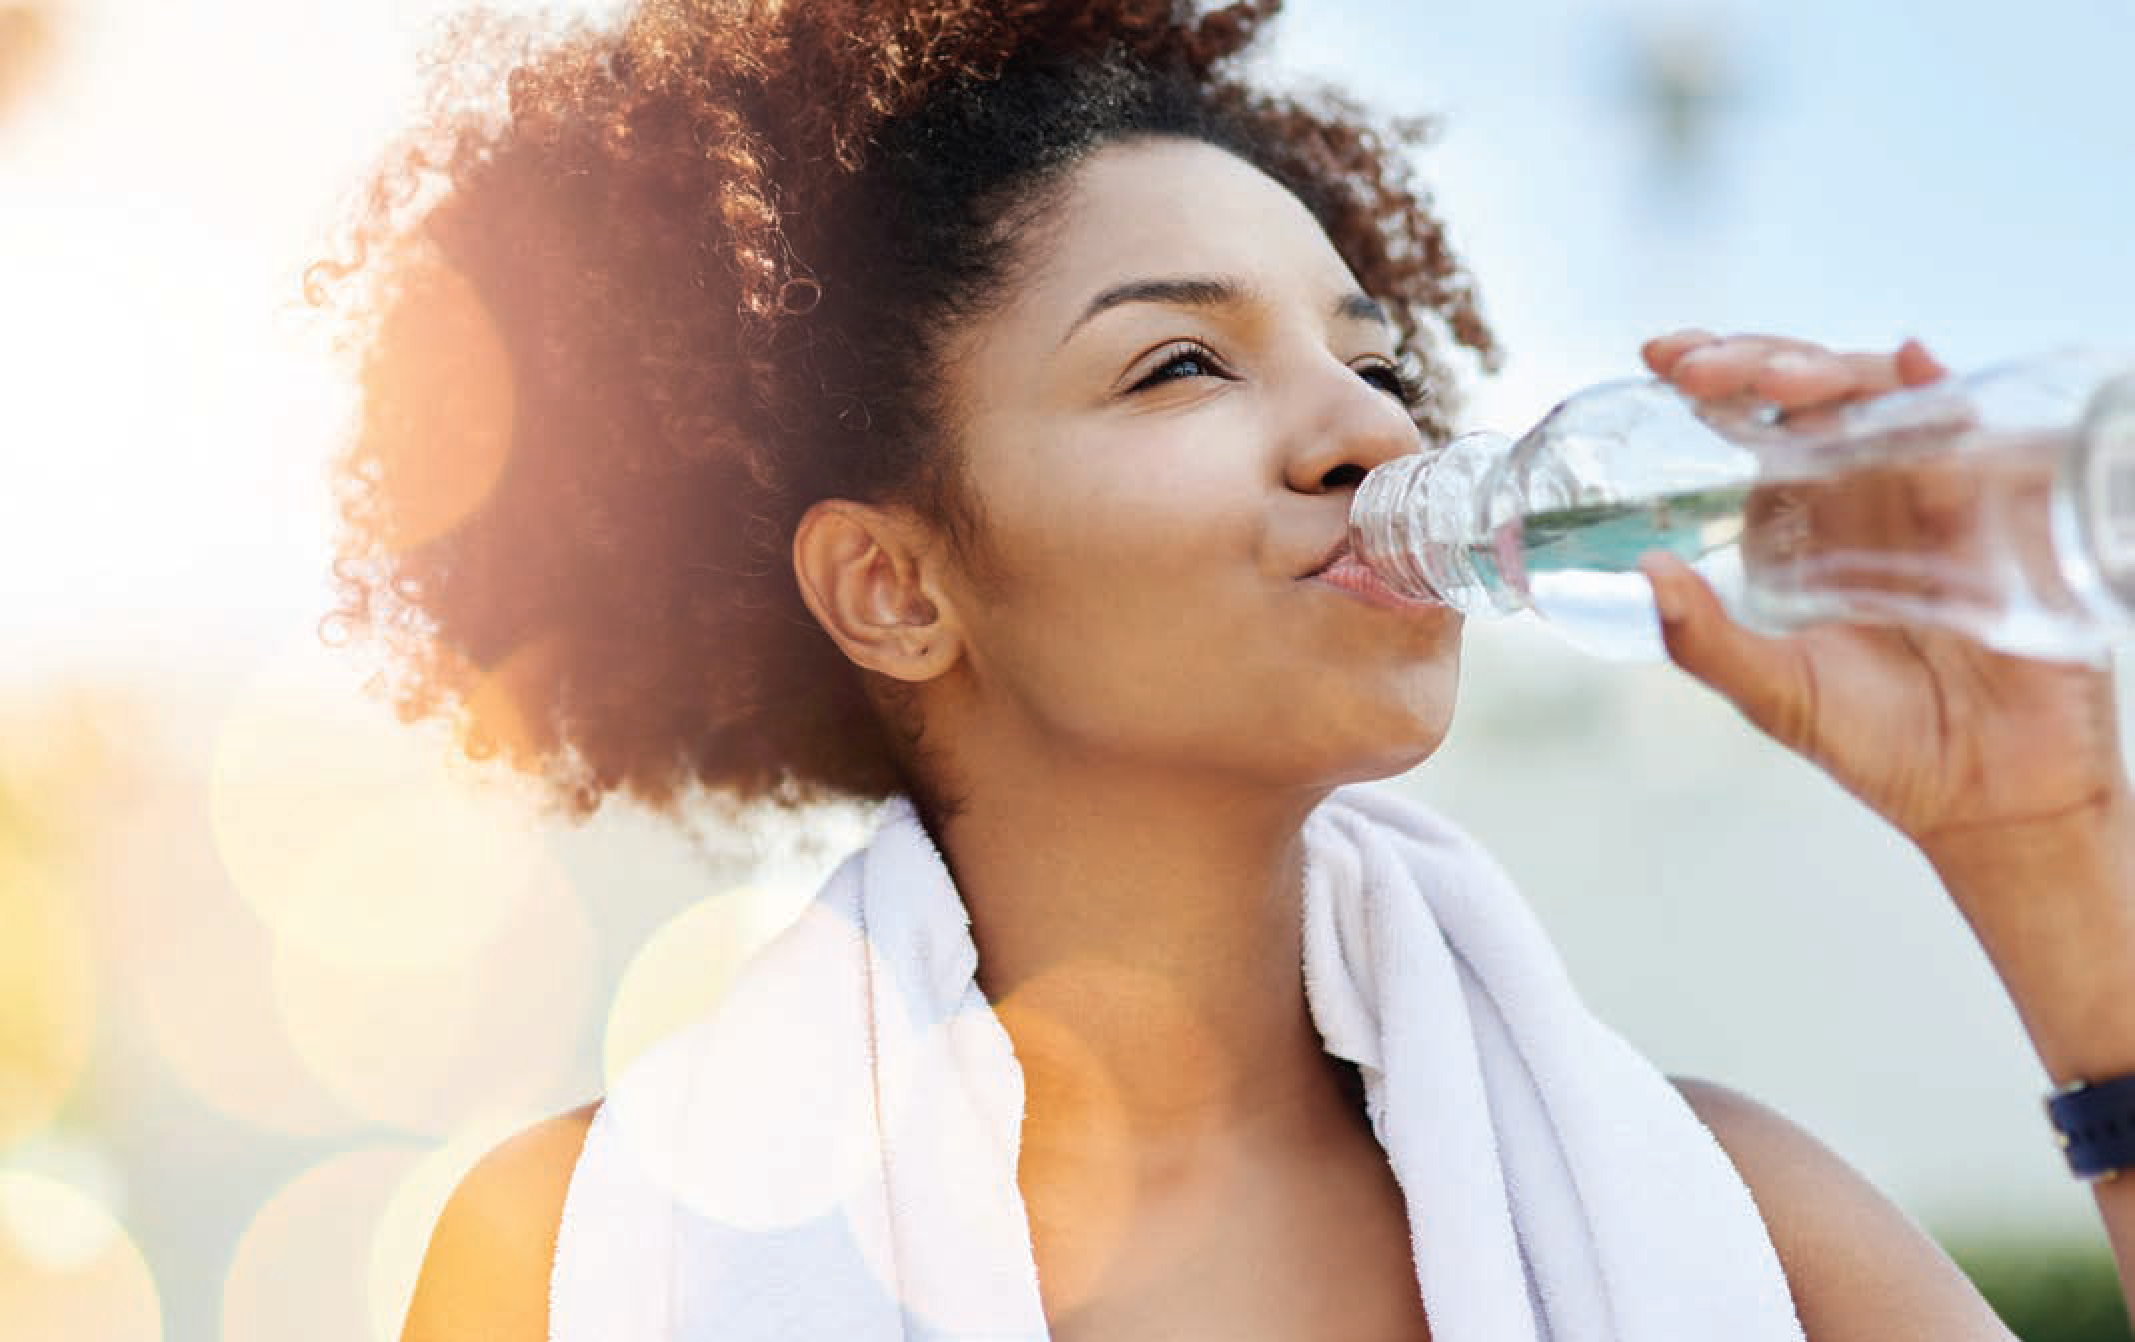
x=1858, y=1267
x=486, y=1272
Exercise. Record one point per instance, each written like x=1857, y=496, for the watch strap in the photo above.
x=2096, y=1123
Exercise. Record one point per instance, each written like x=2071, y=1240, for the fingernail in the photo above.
x=1665, y=599
x=1667, y=603
x=1791, y=361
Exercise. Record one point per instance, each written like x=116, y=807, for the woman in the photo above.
x=964, y=402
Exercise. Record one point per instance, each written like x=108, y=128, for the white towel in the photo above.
x=833, y=1153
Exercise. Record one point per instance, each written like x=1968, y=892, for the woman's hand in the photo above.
x=1951, y=741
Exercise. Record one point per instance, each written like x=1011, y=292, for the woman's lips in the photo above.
x=1360, y=582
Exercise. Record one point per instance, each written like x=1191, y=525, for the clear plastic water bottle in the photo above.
x=2001, y=504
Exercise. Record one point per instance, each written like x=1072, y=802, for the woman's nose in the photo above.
x=1357, y=426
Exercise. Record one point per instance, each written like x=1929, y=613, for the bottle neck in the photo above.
x=1420, y=523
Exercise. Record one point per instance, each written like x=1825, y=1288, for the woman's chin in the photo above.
x=1394, y=765
x=1391, y=754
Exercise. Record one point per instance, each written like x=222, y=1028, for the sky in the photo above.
x=1857, y=174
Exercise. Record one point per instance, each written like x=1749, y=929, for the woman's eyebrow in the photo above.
x=1362, y=307
x=1213, y=291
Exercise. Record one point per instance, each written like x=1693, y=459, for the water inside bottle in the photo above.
x=1965, y=540
x=1582, y=563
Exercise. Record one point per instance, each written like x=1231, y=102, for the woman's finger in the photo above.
x=1791, y=377
x=1765, y=678
x=1796, y=375
x=1917, y=367
x=1724, y=368
x=1661, y=352
x=1798, y=381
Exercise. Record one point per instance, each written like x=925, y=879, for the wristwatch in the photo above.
x=2095, y=1121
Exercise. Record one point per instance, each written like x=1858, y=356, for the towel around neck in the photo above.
x=832, y=1154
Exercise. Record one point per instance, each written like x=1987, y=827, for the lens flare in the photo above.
x=439, y=410
x=356, y=837
x=26, y=46
x=682, y=971
x=797, y=1139
x=68, y=1269
x=495, y=721
x=302, y=1268
x=432, y=1048
x=47, y=998
x=410, y=1215
x=979, y=1291
x=1044, y=1019
x=194, y=961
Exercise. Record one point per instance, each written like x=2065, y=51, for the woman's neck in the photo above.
x=1140, y=939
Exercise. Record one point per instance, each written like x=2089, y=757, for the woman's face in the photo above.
x=1162, y=426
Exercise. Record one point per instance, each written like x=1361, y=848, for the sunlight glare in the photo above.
x=47, y=997
x=302, y=1267
x=68, y=1269
x=194, y=960
x=682, y=971
x=355, y=837
x=431, y=1048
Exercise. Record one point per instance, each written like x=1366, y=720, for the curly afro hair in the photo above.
x=619, y=327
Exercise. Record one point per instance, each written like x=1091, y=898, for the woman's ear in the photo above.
x=867, y=576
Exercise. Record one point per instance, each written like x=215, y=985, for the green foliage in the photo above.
x=2048, y=1291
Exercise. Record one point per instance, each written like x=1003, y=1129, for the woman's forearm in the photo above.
x=2053, y=906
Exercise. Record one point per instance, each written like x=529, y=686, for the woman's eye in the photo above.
x=1398, y=380
x=1383, y=376
x=1187, y=361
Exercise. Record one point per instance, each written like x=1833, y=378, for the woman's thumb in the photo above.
x=1765, y=678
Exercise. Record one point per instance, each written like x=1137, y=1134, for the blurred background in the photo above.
x=274, y=968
